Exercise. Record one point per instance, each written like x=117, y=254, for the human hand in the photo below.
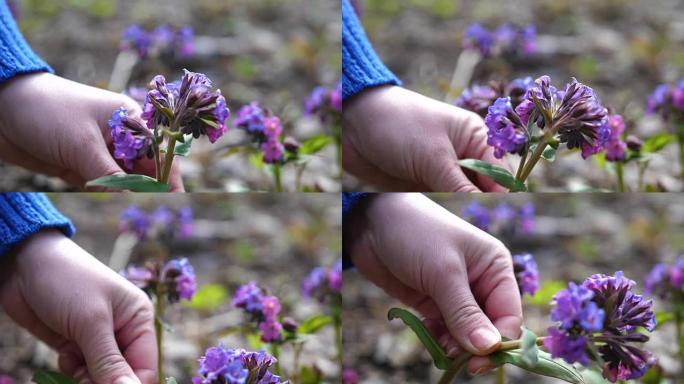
x=58, y=127
x=457, y=276
x=399, y=140
x=101, y=325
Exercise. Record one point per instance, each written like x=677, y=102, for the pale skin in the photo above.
x=399, y=140
x=459, y=278
x=58, y=127
x=101, y=325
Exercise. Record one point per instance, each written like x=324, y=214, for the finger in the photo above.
x=478, y=365
x=176, y=178
x=137, y=339
x=444, y=175
x=106, y=364
x=354, y=163
x=465, y=319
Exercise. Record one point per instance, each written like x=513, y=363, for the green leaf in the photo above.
x=657, y=142
x=549, y=153
x=592, y=376
x=315, y=144
x=134, y=183
x=208, y=298
x=171, y=380
x=313, y=324
x=183, y=149
x=49, y=377
x=498, y=174
x=546, y=366
x=529, y=348
x=438, y=355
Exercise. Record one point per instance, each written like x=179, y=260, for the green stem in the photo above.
x=277, y=178
x=449, y=376
x=534, y=159
x=680, y=139
x=337, y=319
x=159, y=330
x=501, y=375
x=168, y=160
x=275, y=349
x=680, y=335
x=297, y=356
x=620, y=171
x=521, y=166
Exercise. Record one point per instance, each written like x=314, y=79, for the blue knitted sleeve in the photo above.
x=23, y=214
x=361, y=66
x=16, y=56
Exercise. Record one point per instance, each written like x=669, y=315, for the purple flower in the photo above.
x=163, y=36
x=335, y=277
x=251, y=118
x=131, y=140
x=221, y=365
x=628, y=364
x=270, y=306
x=323, y=283
x=478, y=215
x=186, y=42
x=503, y=213
x=350, y=376
x=315, y=101
x=477, y=99
x=529, y=39
x=570, y=306
x=181, y=273
x=273, y=151
x=273, y=128
x=140, y=276
x=505, y=133
x=336, y=97
x=616, y=149
x=324, y=102
x=185, y=222
x=135, y=38
x=134, y=220
x=677, y=273
x=527, y=218
x=526, y=273
x=579, y=116
x=658, y=100
x=163, y=222
x=478, y=38
x=571, y=348
x=271, y=330
x=313, y=281
x=656, y=280
x=249, y=297
x=505, y=35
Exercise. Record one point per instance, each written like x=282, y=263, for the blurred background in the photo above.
x=621, y=48
x=275, y=240
x=272, y=51
x=573, y=237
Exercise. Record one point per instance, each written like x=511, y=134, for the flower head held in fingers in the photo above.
x=599, y=321
x=221, y=365
x=132, y=141
x=479, y=98
x=190, y=106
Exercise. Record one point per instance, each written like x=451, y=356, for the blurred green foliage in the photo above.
x=208, y=298
x=545, y=294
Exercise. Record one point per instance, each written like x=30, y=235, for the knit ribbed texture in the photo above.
x=361, y=66
x=23, y=214
x=16, y=56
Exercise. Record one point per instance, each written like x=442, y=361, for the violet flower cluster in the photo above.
x=322, y=283
x=668, y=101
x=161, y=223
x=350, y=376
x=132, y=141
x=666, y=280
x=164, y=39
x=262, y=308
x=324, y=102
x=599, y=320
x=526, y=273
x=221, y=365
x=479, y=98
x=176, y=279
x=505, y=39
x=574, y=116
x=502, y=219
x=266, y=130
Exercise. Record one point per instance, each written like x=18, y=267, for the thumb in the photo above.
x=446, y=176
x=106, y=364
x=464, y=317
x=96, y=163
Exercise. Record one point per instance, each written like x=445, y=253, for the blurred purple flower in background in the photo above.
x=176, y=279
x=162, y=40
x=323, y=283
x=526, y=273
x=262, y=308
x=163, y=222
x=505, y=39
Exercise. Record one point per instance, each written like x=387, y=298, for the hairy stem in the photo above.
x=680, y=139
x=521, y=165
x=501, y=375
x=337, y=319
x=620, y=171
x=168, y=160
x=680, y=335
x=277, y=178
x=275, y=350
x=159, y=330
x=534, y=159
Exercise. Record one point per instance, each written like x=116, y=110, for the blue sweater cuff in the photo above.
x=361, y=66
x=24, y=214
x=350, y=199
x=16, y=56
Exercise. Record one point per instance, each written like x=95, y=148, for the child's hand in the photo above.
x=402, y=141
x=101, y=325
x=457, y=276
x=59, y=128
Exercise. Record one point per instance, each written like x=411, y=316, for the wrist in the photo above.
x=358, y=107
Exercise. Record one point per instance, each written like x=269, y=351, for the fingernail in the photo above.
x=483, y=339
x=127, y=380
